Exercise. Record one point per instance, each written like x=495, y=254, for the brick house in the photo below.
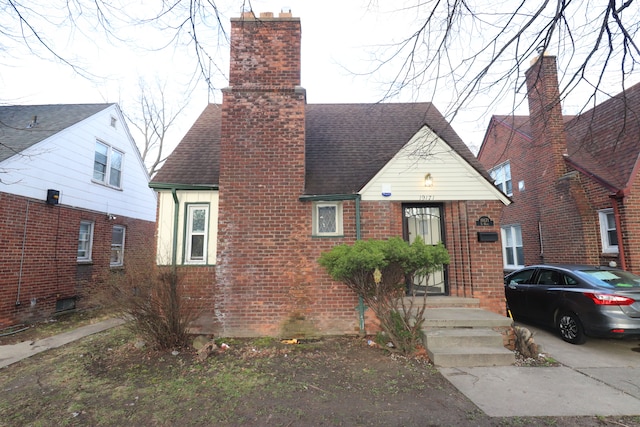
x=74, y=204
x=572, y=179
x=264, y=183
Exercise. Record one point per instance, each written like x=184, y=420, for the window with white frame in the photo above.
x=608, y=231
x=501, y=175
x=196, y=235
x=117, y=246
x=85, y=241
x=107, y=165
x=512, y=250
x=327, y=219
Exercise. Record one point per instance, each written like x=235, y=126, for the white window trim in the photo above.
x=107, y=175
x=316, y=218
x=510, y=229
x=501, y=182
x=189, y=233
x=87, y=257
x=604, y=232
x=120, y=262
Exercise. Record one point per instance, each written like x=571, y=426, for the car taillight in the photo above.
x=609, y=299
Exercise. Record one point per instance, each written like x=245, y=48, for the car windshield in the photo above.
x=617, y=279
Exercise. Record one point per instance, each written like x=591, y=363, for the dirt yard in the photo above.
x=109, y=379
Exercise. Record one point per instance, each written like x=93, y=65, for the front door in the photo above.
x=426, y=221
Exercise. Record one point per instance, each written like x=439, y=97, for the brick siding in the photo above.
x=39, y=261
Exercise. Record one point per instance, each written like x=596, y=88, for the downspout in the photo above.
x=616, y=214
x=361, y=307
x=176, y=212
x=24, y=243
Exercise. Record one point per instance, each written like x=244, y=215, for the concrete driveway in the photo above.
x=613, y=362
x=601, y=377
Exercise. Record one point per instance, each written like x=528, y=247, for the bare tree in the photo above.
x=478, y=48
x=153, y=120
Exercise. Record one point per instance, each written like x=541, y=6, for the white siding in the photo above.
x=453, y=178
x=64, y=162
x=166, y=215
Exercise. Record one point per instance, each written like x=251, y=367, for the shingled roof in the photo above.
x=346, y=145
x=19, y=132
x=603, y=142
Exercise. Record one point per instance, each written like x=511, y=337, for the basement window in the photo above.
x=327, y=219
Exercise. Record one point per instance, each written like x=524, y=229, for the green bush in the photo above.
x=378, y=271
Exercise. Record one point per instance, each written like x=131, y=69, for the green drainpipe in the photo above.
x=174, y=250
x=361, y=307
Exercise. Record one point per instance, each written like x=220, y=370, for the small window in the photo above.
x=114, y=121
x=117, y=246
x=512, y=250
x=327, y=219
x=85, y=241
x=196, y=236
x=502, y=178
x=107, y=165
x=608, y=231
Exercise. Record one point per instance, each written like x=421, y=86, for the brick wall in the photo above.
x=558, y=206
x=39, y=261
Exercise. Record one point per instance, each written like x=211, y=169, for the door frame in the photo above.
x=443, y=234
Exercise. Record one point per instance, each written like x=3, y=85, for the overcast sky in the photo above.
x=339, y=41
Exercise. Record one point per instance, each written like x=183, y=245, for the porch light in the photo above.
x=428, y=181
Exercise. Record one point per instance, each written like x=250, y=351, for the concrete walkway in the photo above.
x=601, y=377
x=13, y=353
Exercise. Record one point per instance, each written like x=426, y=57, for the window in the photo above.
x=327, y=219
x=608, y=231
x=117, y=246
x=502, y=178
x=196, y=236
x=107, y=165
x=85, y=241
x=512, y=251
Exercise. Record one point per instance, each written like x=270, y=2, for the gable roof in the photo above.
x=346, y=145
x=18, y=132
x=603, y=142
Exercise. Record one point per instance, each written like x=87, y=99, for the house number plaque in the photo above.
x=484, y=221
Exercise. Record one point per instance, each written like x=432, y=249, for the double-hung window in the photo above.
x=608, y=231
x=196, y=236
x=85, y=241
x=117, y=246
x=501, y=175
x=512, y=250
x=327, y=219
x=107, y=165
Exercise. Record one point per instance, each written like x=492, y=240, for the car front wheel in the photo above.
x=570, y=328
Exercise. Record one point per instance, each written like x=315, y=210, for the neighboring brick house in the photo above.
x=74, y=204
x=572, y=179
x=263, y=184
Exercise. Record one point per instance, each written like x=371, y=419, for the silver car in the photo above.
x=577, y=300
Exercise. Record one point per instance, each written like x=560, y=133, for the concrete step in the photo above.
x=463, y=318
x=443, y=302
x=471, y=357
x=451, y=338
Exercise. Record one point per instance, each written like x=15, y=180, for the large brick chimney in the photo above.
x=262, y=225
x=545, y=113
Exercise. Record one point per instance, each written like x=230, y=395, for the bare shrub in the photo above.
x=151, y=299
